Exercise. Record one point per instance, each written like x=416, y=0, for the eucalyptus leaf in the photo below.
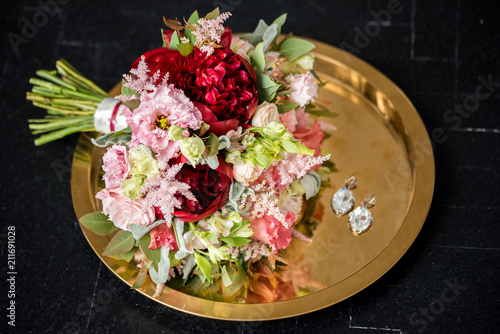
x=235, y=241
x=98, y=223
x=188, y=266
x=261, y=28
x=213, y=162
x=129, y=255
x=212, y=143
x=122, y=242
x=161, y=276
x=253, y=39
x=138, y=231
x=203, y=264
x=286, y=106
x=141, y=278
x=295, y=47
x=267, y=87
x=185, y=48
x=174, y=40
x=111, y=139
x=258, y=60
x=213, y=14
x=318, y=112
x=279, y=23
x=270, y=35
x=153, y=255
x=132, y=104
x=226, y=280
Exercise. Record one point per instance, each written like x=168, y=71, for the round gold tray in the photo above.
x=380, y=138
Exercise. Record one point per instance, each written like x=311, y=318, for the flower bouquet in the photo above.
x=213, y=163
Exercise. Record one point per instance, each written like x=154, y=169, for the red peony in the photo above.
x=222, y=85
x=210, y=187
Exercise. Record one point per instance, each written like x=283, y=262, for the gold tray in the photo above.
x=380, y=139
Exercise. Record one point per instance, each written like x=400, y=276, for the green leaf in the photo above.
x=141, y=278
x=174, y=41
x=289, y=146
x=132, y=104
x=263, y=160
x=253, y=39
x=261, y=28
x=269, y=35
x=122, y=242
x=203, y=264
x=212, y=144
x=213, y=14
x=324, y=113
x=161, y=276
x=258, y=60
x=235, y=241
x=121, y=132
x=152, y=254
x=226, y=280
x=129, y=255
x=243, y=274
x=279, y=23
x=110, y=138
x=286, y=106
x=267, y=87
x=295, y=47
x=303, y=149
x=193, y=19
x=98, y=223
x=185, y=48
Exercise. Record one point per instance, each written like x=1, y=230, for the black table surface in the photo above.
x=444, y=56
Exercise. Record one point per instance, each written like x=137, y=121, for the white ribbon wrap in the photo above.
x=104, y=114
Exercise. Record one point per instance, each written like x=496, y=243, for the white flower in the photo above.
x=241, y=47
x=266, y=113
x=245, y=173
x=305, y=89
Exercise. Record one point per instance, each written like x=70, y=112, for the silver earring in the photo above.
x=343, y=199
x=360, y=220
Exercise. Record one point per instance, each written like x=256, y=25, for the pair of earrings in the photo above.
x=360, y=220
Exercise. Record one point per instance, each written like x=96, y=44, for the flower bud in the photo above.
x=266, y=113
x=246, y=173
x=306, y=62
x=143, y=162
x=175, y=132
x=192, y=148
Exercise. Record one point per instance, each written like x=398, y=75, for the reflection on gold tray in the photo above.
x=380, y=139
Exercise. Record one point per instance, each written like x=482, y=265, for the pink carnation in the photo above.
x=122, y=211
x=115, y=165
x=162, y=235
x=270, y=231
x=305, y=89
x=157, y=112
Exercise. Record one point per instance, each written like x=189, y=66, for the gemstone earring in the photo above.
x=360, y=220
x=343, y=200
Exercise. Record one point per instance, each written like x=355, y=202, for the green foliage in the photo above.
x=258, y=60
x=122, y=242
x=141, y=278
x=295, y=47
x=98, y=223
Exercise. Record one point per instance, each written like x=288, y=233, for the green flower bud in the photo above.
x=175, y=132
x=192, y=148
x=132, y=186
x=143, y=162
x=306, y=62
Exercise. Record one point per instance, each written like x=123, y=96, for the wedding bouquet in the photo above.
x=213, y=163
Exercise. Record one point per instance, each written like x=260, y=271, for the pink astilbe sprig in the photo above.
x=209, y=31
x=140, y=81
x=284, y=172
x=297, y=235
x=255, y=249
x=160, y=192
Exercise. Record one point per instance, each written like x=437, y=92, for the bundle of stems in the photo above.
x=70, y=100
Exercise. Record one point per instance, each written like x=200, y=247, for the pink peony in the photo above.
x=162, y=235
x=122, y=211
x=115, y=165
x=305, y=89
x=158, y=110
x=271, y=232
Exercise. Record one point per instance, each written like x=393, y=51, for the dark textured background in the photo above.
x=435, y=51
